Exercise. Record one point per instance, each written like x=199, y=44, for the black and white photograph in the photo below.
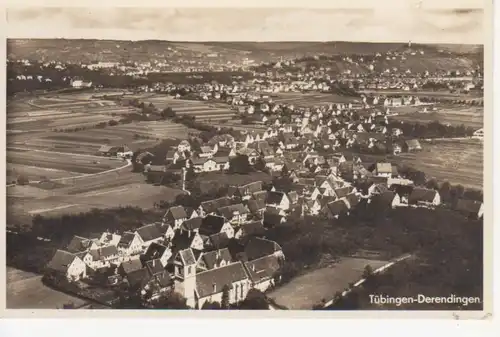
x=326, y=159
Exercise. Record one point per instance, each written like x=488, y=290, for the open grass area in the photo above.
x=25, y=290
x=457, y=161
x=304, y=291
x=468, y=116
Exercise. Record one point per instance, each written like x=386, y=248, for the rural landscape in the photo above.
x=243, y=175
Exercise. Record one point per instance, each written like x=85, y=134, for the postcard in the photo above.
x=326, y=161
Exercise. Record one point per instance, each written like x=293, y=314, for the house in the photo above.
x=149, y=234
x=478, y=134
x=186, y=240
x=335, y=209
x=80, y=244
x=377, y=189
x=175, y=216
x=342, y=192
x=249, y=229
x=191, y=225
x=278, y=200
x=109, y=239
x=256, y=248
x=216, y=241
x=383, y=170
x=101, y=257
x=207, y=151
x=211, y=284
x=385, y=199
x=235, y=214
x=424, y=196
x=211, y=206
x=130, y=243
x=214, y=259
x=222, y=162
x=403, y=191
x=129, y=266
x=263, y=272
x=312, y=206
x=213, y=224
x=256, y=206
x=115, y=151
x=150, y=283
x=245, y=192
x=68, y=265
x=204, y=165
x=470, y=208
x=272, y=219
x=158, y=251
x=411, y=145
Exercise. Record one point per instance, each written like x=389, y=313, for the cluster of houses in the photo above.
x=199, y=253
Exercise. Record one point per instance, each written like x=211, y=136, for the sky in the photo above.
x=389, y=21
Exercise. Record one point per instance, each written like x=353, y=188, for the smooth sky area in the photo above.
x=389, y=21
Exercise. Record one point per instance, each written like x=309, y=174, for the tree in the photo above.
x=22, y=180
x=240, y=165
x=225, y=297
x=172, y=300
x=368, y=271
x=168, y=112
x=432, y=184
x=255, y=300
x=445, y=191
x=211, y=306
x=190, y=174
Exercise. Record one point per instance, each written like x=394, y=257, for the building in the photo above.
x=68, y=265
x=425, y=197
x=262, y=272
x=175, y=216
x=115, y=151
x=470, y=208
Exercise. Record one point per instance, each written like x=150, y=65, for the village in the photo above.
x=219, y=248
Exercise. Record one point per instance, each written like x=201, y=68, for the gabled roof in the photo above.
x=61, y=261
x=154, y=267
x=149, y=232
x=250, y=188
x=187, y=257
x=213, y=281
x=103, y=252
x=154, y=251
x=229, y=211
x=421, y=194
x=78, y=244
x=211, y=206
x=182, y=240
x=211, y=224
x=413, y=144
x=275, y=197
x=337, y=207
x=384, y=168
x=177, y=212
x=255, y=206
x=213, y=259
x=342, y=191
x=402, y=190
x=262, y=269
x=126, y=239
x=192, y=224
x=218, y=241
x=468, y=206
x=137, y=279
x=130, y=265
x=259, y=247
x=252, y=228
x=384, y=199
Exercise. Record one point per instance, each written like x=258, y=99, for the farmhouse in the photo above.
x=385, y=199
x=262, y=271
x=248, y=229
x=80, y=244
x=412, y=145
x=470, y=208
x=68, y=265
x=115, y=151
x=213, y=224
x=158, y=251
x=149, y=234
x=424, y=196
x=211, y=206
x=130, y=243
x=175, y=216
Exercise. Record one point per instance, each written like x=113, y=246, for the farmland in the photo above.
x=310, y=99
x=201, y=111
x=456, y=161
x=445, y=114
x=309, y=289
x=26, y=290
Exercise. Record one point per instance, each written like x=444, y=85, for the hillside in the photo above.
x=109, y=50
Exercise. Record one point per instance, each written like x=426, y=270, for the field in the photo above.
x=311, y=99
x=25, y=290
x=456, y=115
x=304, y=291
x=202, y=111
x=210, y=179
x=456, y=161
